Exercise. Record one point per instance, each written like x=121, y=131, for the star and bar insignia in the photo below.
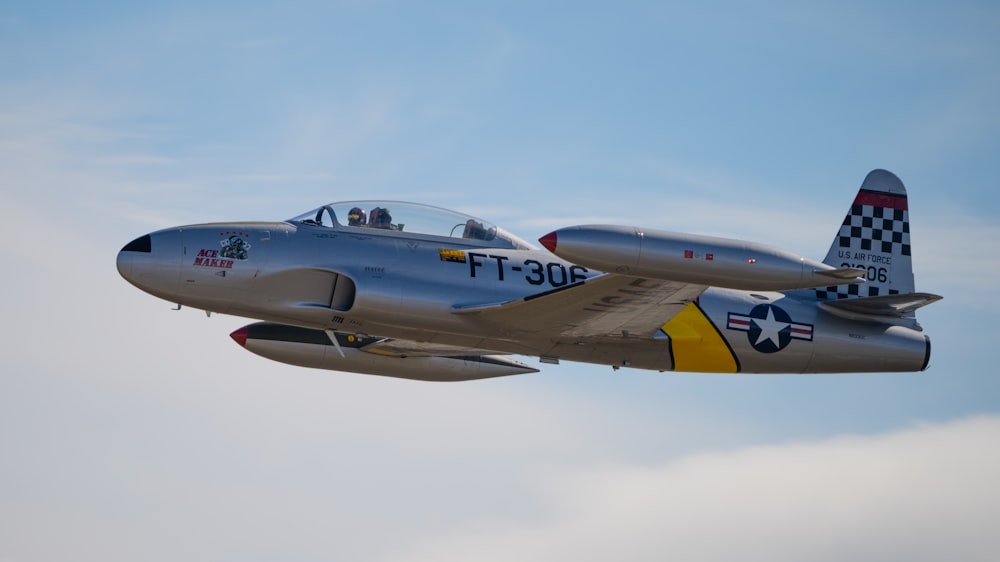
x=769, y=328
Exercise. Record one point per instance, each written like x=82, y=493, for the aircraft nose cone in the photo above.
x=152, y=262
x=142, y=245
x=124, y=263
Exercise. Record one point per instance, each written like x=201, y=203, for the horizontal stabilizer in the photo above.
x=885, y=305
x=844, y=273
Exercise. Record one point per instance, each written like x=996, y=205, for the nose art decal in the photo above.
x=234, y=248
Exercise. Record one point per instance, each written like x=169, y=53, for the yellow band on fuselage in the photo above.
x=697, y=345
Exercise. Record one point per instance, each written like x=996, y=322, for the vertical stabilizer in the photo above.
x=875, y=237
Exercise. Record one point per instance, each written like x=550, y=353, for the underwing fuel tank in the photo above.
x=315, y=348
x=692, y=258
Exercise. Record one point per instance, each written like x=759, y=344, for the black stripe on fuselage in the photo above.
x=281, y=332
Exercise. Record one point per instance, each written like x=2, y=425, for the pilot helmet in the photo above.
x=356, y=217
x=381, y=218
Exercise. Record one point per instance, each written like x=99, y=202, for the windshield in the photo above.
x=409, y=218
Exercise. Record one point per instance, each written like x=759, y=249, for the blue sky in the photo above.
x=129, y=431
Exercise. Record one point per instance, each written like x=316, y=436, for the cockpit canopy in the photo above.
x=408, y=218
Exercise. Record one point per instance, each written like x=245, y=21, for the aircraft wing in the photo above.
x=609, y=306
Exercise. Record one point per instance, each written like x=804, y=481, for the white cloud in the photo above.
x=925, y=493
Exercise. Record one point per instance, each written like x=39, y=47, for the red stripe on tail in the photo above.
x=881, y=199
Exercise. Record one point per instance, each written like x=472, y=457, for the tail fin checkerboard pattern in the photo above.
x=875, y=237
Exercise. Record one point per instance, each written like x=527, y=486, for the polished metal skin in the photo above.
x=721, y=262
x=374, y=356
x=412, y=291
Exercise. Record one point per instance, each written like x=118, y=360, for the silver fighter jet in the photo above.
x=418, y=292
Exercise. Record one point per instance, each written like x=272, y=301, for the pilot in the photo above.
x=356, y=217
x=380, y=218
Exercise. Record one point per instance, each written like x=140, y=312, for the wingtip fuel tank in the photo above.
x=692, y=258
x=313, y=348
